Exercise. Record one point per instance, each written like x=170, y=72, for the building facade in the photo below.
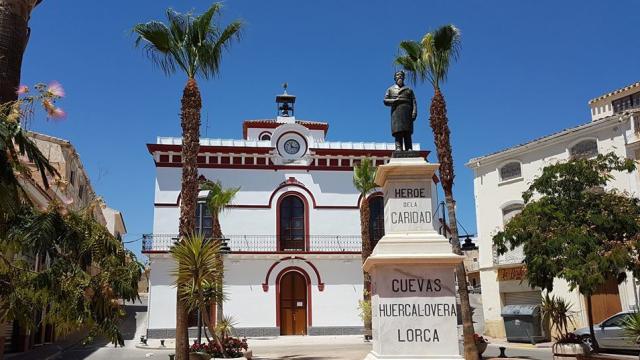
x=501, y=178
x=71, y=189
x=293, y=228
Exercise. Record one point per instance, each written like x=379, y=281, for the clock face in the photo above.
x=291, y=146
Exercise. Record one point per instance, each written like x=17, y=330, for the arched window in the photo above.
x=204, y=221
x=292, y=224
x=512, y=170
x=584, y=149
x=508, y=212
x=376, y=219
x=265, y=136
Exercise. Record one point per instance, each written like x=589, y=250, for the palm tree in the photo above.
x=363, y=180
x=429, y=60
x=217, y=200
x=197, y=276
x=194, y=45
x=14, y=35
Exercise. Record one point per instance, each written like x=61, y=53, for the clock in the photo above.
x=291, y=146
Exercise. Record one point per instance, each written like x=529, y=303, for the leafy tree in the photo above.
x=573, y=229
x=217, y=200
x=364, y=175
x=193, y=45
x=89, y=272
x=429, y=59
x=14, y=35
x=198, y=275
x=16, y=145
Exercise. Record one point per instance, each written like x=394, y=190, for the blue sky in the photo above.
x=527, y=69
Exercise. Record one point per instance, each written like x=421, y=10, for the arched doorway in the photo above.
x=292, y=223
x=293, y=304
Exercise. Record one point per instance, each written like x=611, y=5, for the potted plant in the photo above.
x=557, y=313
x=365, y=314
x=481, y=343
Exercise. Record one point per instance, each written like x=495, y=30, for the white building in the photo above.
x=293, y=228
x=501, y=178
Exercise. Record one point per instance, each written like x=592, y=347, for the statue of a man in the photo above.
x=404, y=111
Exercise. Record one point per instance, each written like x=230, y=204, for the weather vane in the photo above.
x=285, y=86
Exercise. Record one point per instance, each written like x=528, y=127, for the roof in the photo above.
x=272, y=124
x=618, y=91
x=338, y=145
x=550, y=137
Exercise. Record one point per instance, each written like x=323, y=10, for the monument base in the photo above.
x=413, y=291
x=374, y=356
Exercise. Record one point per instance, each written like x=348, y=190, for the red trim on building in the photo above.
x=265, y=284
x=272, y=124
x=306, y=218
x=309, y=302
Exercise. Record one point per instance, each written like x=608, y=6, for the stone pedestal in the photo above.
x=413, y=299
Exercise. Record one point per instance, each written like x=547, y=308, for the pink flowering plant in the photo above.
x=16, y=145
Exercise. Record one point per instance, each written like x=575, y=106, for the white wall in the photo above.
x=162, y=294
x=491, y=195
x=329, y=188
x=251, y=306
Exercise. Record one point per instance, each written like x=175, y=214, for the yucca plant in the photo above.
x=631, y=326
x=197, y=275
x=558, y=314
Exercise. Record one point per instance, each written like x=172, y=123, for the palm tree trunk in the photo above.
x=366, y=251
x=217, y=234
x=190, y=121
x=14, y=35
x=440, y=127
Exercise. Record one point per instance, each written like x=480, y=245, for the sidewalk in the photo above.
x=48, y=351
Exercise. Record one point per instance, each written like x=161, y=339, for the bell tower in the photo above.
x=285, y=105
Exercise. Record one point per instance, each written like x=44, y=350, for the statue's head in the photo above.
x=399, y=77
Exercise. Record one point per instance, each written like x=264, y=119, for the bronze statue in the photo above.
x=404, y=111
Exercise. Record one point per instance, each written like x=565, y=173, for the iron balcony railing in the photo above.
x=265, y=243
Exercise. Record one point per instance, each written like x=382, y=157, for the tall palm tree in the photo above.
x=364, y=175
x=193, y=45
x=217, y=200
x=14, y=35
x=429, y=60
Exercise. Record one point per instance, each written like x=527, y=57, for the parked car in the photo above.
x=609, y=334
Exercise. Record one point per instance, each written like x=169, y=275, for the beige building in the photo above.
x=501, y=178
x=72, y=189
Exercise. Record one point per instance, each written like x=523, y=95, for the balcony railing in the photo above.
x=264, y=243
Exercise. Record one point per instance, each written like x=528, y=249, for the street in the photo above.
x=290, y=347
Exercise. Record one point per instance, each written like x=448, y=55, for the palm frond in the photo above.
x=156, y=38
x=411, y=60
x=441, y=47
x=191, y=43
x=219, y=197
x=364, y=175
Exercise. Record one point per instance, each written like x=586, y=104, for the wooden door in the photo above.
x=293, y=304
x=606, y=301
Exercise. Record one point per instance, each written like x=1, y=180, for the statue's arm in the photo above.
x=388, y=100
x=414, y=114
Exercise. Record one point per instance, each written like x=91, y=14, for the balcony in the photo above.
x=512, y=257
x=158, y=243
